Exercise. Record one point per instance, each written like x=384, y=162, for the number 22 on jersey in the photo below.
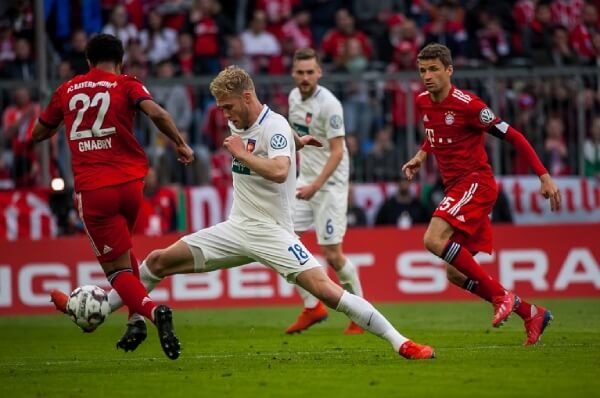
x=100, y=101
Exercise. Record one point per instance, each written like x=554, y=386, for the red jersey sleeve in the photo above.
x=480, y=116
x=136, y=91
x=53, y=114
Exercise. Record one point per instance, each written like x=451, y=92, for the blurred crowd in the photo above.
x=167, y=39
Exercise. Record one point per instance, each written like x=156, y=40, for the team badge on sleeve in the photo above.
x=278, y=141
x=486, y=116
x=336, y=122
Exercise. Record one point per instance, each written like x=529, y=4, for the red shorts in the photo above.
x=467, y=207
x=109, y=215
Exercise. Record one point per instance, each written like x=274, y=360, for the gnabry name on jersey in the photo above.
x=93, y=145
x=90, y=84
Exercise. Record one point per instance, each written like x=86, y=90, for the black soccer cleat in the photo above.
x=135, y=334
x=163, y=318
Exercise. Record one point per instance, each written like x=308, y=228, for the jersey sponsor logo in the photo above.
x=239, y=168
x=449, y=118
x=486, y=116
x=336, y=122
x=278, y=141
x=308, y=118
x=250, y=145
x=300, y=128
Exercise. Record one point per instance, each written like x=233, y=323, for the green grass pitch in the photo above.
x=244, y=353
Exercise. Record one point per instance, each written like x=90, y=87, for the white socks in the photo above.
x=367, y=317
x=348, y=278
x=148, y=279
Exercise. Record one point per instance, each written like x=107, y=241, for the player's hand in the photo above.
x=235, y=145
x=411, y=168
x=308, y=140
x=549, y=190
x=306, y=192
x=185, y=154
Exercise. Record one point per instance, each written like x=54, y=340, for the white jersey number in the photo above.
x=96, y=130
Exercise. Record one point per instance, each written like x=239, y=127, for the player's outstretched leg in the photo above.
x=163, y=318
x=316, y=281
x=59, y=299
x=366, y=316
x=135, y=334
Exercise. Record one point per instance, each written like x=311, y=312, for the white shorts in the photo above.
x=326, y=210
x=233, y=243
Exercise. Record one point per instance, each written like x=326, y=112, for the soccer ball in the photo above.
x=88, y=307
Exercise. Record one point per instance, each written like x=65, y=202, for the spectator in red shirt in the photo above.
x=210, y=29
x=298, y=28
x=581, y=35
x=158, y=212
x=335, y=40
x=17, y=123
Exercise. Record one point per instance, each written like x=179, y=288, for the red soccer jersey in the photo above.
x=98, y=110
x=454, y=130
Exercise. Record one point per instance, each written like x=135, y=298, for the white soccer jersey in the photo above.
x=321, y=116
x=255, y=197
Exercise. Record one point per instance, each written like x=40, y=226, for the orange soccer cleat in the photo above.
x=307, y=318
x=503, y=307
x=353, y=328
x=59, y=299
x=536, y=324
x=412, y=350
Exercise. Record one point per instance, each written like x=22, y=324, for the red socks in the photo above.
x=460, y=258
x=136, y=272
x=132, y=292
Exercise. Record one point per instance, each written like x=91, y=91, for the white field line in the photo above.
x=279, y=354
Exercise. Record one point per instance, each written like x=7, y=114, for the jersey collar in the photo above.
x=259, y=120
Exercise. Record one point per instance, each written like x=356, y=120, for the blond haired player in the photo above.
x=260, y=227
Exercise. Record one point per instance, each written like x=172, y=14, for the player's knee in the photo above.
x=432, y=243
x=334, y=259
x=155, y=262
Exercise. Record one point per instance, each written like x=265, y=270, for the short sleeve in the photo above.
x=53, y=114
x=279, y=139
x=480, y=116
x=136, y=91
x=333, y=117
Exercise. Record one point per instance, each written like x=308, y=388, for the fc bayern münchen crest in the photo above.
x=449, y=119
